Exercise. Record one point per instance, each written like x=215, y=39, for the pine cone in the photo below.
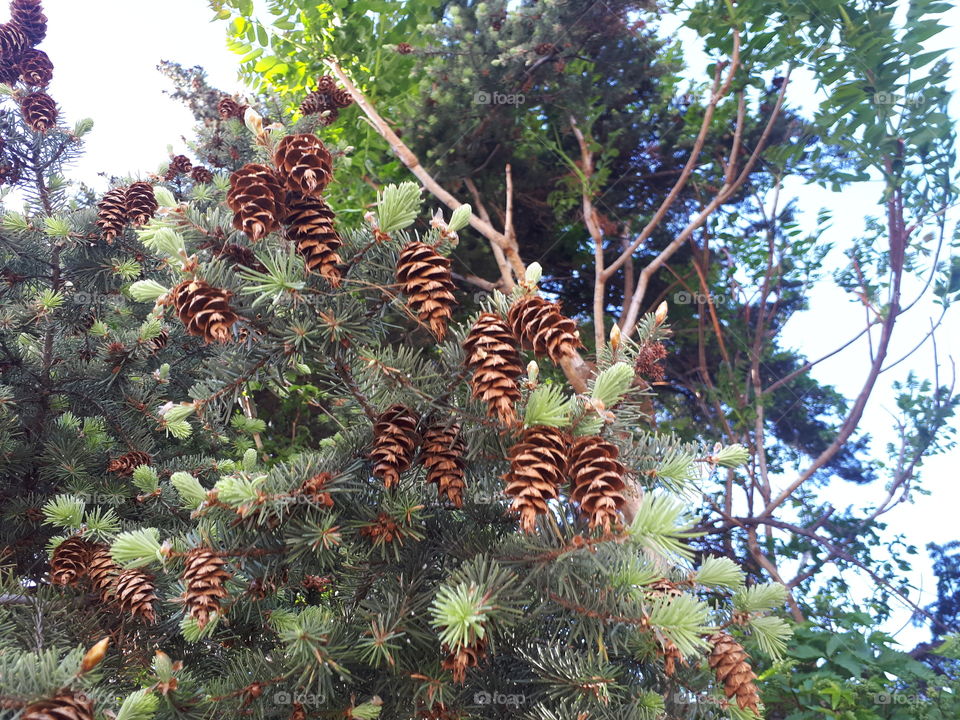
x=663, y=589
x=13, y=41
x=442, y=456
x=9, y=72
x=230, y=108
x=65, y=705
x=141, y=203
x=204, y=310
x=537, y=469
x=341, y=98
x=39, y=111
x=596, y=477
x=541, y=327
x=394, y=441
x=404, y=48
x=70, y=560
x=179, y=165
x=256, y=198
x=102, y=571
x=28, y=15
x=112, y=213
x=314, y=488
x=159, y=342
x=310, y=226
x=135, y=592
x=648, y=360
x=239, y=255
x=464, y=658
x=424, y=276
x=36, y=68
x=729, y=660
x=204, y=577
x=298, y=713
x=491, y=353
x=201, y=175
x=305, y=163
x=127, y=463
x=318, y=102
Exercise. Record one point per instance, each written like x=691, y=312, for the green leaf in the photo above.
x=191, y=492
x=64, y=511
x=398, y=206
x=548, y=405
x=461, y=613
x=758, y=598
x=613, y=383
x=137, y=548
x=771, y=634
x=138, y=705
x=147, y=290
x=720, y=572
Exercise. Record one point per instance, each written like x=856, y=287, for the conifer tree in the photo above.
x=452, y=544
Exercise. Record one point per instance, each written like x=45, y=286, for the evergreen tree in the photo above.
x=470, y=532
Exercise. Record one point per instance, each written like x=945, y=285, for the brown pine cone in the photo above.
x=159, y=342
x=239, y=255
x=135, y=592
x=141, y=203
x=596, y=477
x=394, y=441
x=230, y=108
x=424, y=275
x=464, y=658
x=204, y=577
x=28, y=15
x=304, y=163
x=65, y=705
x=404, y=48
x=179, y=165
x=112, y=213
x=201, y=175
x=204, y=310
x=729, y=660
x=36, y=68
x=310, y=225
x=9, y=72
x=127, y=463
x=538, y=465
x=314, y=488
x=9, y=173
x=256, y=198
x=318, y=102
x=442, y=456
x=491, y=352
x=298, y=713
x=13, y=41
x=541, y=327
x=341, y=98
x=70, y=560
x=102, y=571
x=544, y=48
x=326, y=83
x=39, y=111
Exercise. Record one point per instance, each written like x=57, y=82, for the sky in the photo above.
x=106, y=52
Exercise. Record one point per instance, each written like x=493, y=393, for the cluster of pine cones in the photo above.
x=326, y=101
x=132, y=204
x=181, y=165
x=20, y=61
x=133, y=591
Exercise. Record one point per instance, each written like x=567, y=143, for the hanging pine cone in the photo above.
x=28, y=15
x=424, y=276
x=201, y=175
x=127, y=463
x=464, y=658
x=310, y=226
x=39, y=111
x=663, y=589
x=305, y=163
x=729, y=660
x=204, y=577
x=491, y=353
x=230, y=108
x=179, y=165
x=541, y=327
x=65, y=705
x=404, y=48
x=256, y=198
x=36, y=68
x=112, y=213
x=9, y=72
x=647, y=364
x=70, y=560
x=141, y=203
x=239, y=255
x=394, y=441
x=537, y=469
x=135, y=593
x=442, y=456
x=13, y=41
x=596, y=477
x=341, y=98
x=102, y=571
x=204, y=310
x=320, y=102
x=160, y=341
